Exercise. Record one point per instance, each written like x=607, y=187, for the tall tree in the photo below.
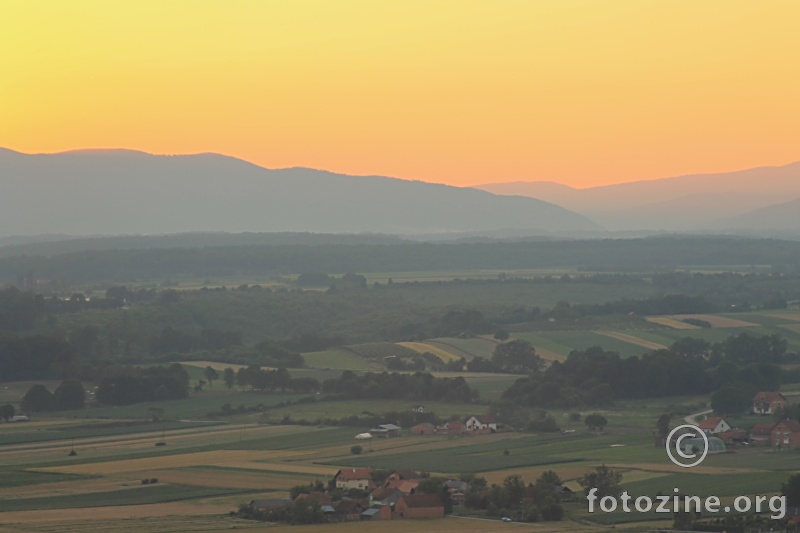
x=38, y=398
x=70, y=394
x=606, y=481
x=210, y=375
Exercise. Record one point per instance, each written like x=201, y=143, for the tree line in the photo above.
x=689, y=367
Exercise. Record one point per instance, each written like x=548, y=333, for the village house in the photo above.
x=418, y=409
x=454, y=427
x=403, y=473
x=318, y=498
x=426, y=428
x=457, y=489
x=355, y=478
x=387, y=496
x=786, y=434
x=349, y=510
x=766, y=403
x=761, y=434
x=383, y=512
x=476, y=423
x=385, y=430
x=406, y=486
x=714, y=424
x=733, y=436
x=419, y=506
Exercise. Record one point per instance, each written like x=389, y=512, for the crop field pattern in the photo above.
x=209, y=467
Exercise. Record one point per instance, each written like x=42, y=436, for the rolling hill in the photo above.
x=106, y=192
x=702, y=202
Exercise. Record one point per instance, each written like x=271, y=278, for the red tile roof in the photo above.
x=486, y=419
x=319, y=497
x=423, y=500
x=762, y=429
x=353, y=474
x=710, y=422
x=769, y=397
x=791, y=425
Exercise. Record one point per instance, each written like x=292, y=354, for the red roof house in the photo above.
x=766, y=403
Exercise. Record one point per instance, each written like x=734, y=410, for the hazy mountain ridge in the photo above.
x=700, y=202
x=106, y=192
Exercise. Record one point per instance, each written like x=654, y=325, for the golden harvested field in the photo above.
x=81, y=486
x=787, y=316
x=632, y=340
x=422, y=347
x=670, y=322
x=8, y=519
x=549, y=355
x=719, y=321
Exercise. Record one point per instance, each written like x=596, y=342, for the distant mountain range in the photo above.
x=108, y=192
x=747, y=201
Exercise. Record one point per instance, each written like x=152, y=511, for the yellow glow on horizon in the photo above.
x=463, y=92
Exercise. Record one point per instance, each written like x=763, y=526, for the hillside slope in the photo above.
x=104, y=192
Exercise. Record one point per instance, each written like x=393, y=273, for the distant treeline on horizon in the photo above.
x=340, y=254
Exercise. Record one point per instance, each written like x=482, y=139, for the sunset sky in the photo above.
x=461, y=92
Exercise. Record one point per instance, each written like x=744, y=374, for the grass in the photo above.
x=312, y=412
x=158, y=493
x=338, y=359
x=19, y=478
x=197, y=405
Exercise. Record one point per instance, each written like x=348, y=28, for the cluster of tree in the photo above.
x=19, y=310
x=689, y=367
x=405, y=419
x=395, y=386
x=170, y=340
x=612, y=254
x=349, y=281
x=264, y=380
x=535, y=502
x=7, y=412
x=131, y=385
x=671, y=304
x=514, y=357
x=302, y=512
x=36, y=357
x=278, y=356
x=69, y=395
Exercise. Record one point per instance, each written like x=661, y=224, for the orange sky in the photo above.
x=462, y=92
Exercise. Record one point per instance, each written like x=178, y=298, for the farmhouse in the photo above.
x=403, y=473
x=270, y=504
x=786, y=434
x=377, y=513
x=406, y=486
x=425, y=428
x=385, y=431
x=766, y=403
x=475, y=423
x=355, y=478
x=714, y=424
x=319, y=498
x=761, y=434
x=350, y=509
x=454, y=427
x=385, y=496
x=419, y=506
